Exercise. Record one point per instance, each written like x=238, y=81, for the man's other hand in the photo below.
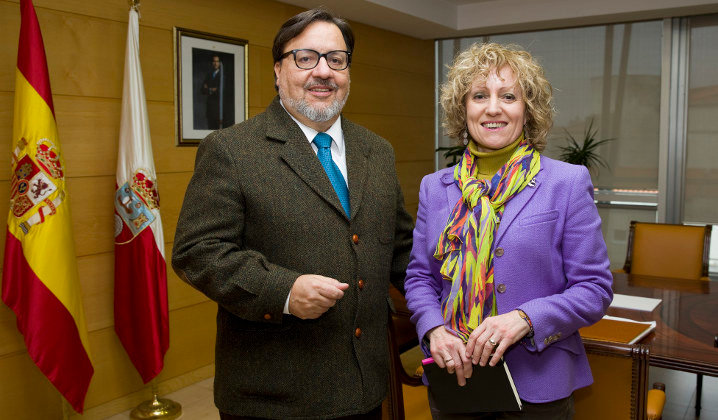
x=312, y=295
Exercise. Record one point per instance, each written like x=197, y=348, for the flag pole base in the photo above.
x=157, y=408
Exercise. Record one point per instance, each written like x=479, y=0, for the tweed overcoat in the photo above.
x=550, y=260
x=258, y=212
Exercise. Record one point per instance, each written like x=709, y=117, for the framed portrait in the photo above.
x=210, y=83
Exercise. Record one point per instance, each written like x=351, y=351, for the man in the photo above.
x=298, y=260
x=212, y=87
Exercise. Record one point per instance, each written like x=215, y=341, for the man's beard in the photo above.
x=316, y=114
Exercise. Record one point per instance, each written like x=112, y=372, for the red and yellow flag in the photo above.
x=40, y=281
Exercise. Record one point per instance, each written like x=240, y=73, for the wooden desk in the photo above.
x=686, y=320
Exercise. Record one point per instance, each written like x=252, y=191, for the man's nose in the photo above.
x=322, y=69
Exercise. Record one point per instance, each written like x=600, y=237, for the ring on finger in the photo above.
x=492, y=342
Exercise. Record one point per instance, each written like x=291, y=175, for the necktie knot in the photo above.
x=323, y=140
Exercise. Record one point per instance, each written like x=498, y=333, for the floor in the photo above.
x=681, y=394
x=196, y=399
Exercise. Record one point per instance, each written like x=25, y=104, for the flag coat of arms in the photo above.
x=141, y=312
x=40, y=282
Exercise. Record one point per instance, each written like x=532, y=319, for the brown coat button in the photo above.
x=357, y=333
x=267, y=316
x=499, y=252
x=501, y=288
x=361, y=284
x=355, y=238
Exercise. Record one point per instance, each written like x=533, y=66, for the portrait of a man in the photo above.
x=213, y=89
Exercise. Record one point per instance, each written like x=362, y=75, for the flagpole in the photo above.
x=156, y=408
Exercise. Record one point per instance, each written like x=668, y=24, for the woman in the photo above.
x=508, y=257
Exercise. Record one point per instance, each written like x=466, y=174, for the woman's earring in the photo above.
x=465, y=137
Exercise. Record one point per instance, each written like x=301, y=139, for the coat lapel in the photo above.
x=357, y=154
x=516, y=204
x=453, y=193
x=298, y=154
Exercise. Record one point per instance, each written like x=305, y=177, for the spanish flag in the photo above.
x=40, y=281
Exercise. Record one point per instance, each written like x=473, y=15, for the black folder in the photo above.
x=490, y=389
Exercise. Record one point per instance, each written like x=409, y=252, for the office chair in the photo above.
x=620, y=382
x=667, y=250
x=402, y=337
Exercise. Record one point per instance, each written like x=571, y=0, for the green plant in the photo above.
x=585, y=153
x=452, y=152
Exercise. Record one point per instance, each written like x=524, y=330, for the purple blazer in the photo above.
x=550, y=260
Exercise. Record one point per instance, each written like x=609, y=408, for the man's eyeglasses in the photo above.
x=308, y=59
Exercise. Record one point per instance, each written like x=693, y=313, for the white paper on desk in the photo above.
x=634, y=302
x=641, y=335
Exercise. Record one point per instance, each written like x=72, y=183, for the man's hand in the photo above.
x=312, y=295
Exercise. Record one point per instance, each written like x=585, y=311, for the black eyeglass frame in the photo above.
x=325, y=55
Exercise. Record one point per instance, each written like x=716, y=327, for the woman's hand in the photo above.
x=495, y=334
x=449, y=352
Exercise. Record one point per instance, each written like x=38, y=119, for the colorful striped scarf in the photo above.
x=466, y=245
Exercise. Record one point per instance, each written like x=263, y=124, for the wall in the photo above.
x=392, y=94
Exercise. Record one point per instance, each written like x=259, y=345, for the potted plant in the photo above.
x=584, y=153
x=452, y=152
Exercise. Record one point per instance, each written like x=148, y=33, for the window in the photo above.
x=608, y=76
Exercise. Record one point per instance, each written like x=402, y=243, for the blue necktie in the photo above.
x=324, y=153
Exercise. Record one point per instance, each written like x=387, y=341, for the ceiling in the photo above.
x=432, y=19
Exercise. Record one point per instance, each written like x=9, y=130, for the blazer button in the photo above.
x=361, y=284
x=267, y=317
x=357, y=333
x=501, y=288
x=355, y=238
x=499, y=252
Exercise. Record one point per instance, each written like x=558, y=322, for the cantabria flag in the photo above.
x=39, y=280
x=141, y=313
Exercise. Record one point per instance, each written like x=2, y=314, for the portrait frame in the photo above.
x=210, y=83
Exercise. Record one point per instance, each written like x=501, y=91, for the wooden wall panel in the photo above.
x=97, y=281
x=410, y=177
x=172, y=188
x=377, y=90
x=191, y=346
x=11, y=340
x=392, y=50
x=6, y=114
x=91, y=206
x=261, y=78
x=392, y=94
x=409, y=135
x=9, y=34
x=25, y=393
x=192, y=337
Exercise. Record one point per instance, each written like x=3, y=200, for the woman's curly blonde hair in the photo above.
x=480, y=60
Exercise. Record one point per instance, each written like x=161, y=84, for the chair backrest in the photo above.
x=402, y=337
x=620, y=382
x=665, y=250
